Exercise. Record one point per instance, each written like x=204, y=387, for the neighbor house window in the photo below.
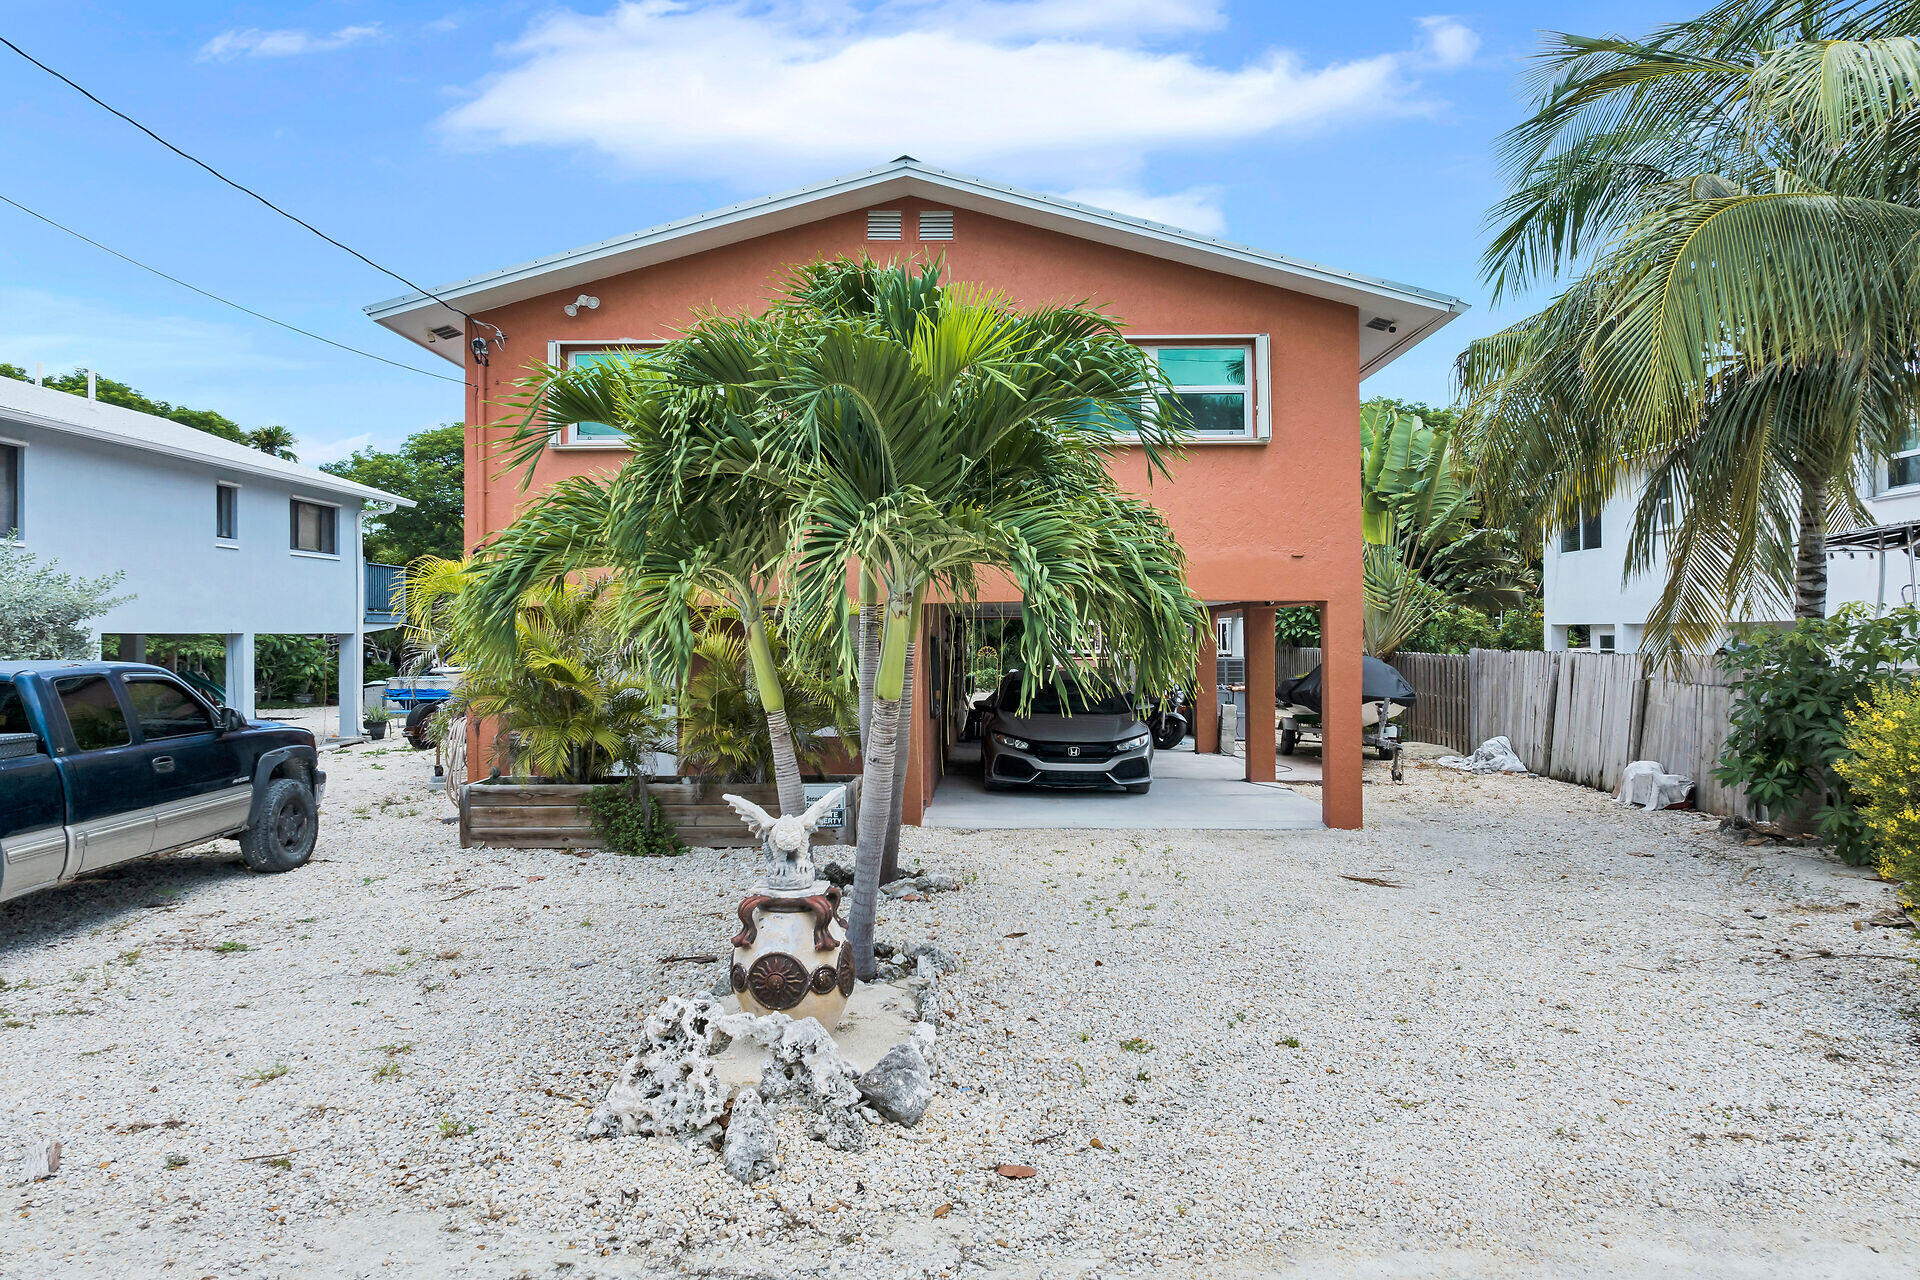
x=1584, y=535
x=9, y=490
x=314, y=528
x=584, y=355
x=226, y=512
x=1903, y=468
x=1214, y=384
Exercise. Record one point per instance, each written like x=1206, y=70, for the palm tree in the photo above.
x=1742, y=343
x=930, y=430
x=570, y=693
x=1425, y=547
x=278, y=441
x=690, y=518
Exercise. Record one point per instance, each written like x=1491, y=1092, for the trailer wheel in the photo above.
x=1289, y=739
x=416, y=727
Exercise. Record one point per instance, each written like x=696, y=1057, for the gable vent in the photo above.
x=445, y=331
x=936, y=224
x=883, y=224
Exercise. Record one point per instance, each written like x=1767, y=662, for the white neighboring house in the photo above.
x=213, y=537
x=1582, y=570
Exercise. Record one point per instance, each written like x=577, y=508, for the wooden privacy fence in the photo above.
x=1578, y=717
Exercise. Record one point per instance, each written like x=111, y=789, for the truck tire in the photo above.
x=282, y=837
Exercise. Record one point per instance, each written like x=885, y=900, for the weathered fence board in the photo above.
x=1598, y=701
x=1443, y=713
x=1514, y=695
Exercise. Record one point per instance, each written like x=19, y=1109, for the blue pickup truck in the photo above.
x=105, y=761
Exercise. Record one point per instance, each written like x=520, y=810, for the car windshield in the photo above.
x=1098, y=698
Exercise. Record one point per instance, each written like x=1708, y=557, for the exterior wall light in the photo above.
x=585, y=301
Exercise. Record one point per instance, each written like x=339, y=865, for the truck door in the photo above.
x=201, y=788
x=33, y=832
x=109, y=782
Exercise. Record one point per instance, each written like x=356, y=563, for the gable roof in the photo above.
x=1412, y=312
x=52, y=410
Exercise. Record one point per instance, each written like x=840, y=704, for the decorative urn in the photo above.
x=790, y=955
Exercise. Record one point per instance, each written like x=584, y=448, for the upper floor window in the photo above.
x=9, y=490
x=1903, y=468
x=1214, y=384
x=226, y=512
x=313, y=527
x=1584, y=535
x=576, y=355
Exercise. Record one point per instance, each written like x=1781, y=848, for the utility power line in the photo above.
x=246, y=190
x=227, y=302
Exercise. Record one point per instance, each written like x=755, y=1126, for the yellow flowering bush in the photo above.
x=1882, y=763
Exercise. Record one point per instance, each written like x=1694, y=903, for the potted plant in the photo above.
x=375, y=721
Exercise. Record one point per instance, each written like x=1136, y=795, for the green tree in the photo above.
x=1426, y=548
x=119, y=393
x=430, y=468
x=1736, y=203
x=278, y=441
x=927, y=431
x=43, y=612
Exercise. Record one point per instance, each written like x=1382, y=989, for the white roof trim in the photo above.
x=1416, y=312
x=52, y=410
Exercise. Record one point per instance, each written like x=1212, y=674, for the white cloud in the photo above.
x=1195, y=209
x=1055, y=93
x=251, y=42
x=1450, y=41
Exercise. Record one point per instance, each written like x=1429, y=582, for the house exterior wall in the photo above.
x=1586, y=588
x=1273, y=521
x=99, y=508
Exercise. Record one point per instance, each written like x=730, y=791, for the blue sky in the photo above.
x=444, y=139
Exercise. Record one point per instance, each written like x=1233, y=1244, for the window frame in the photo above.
x=1904, y=486
x=127, y=682
x=293, y=528
x=13, y=526
x=561, y=352
x=1259, y=416
x=1577, y=533
x=226, y=493
x=127, y=720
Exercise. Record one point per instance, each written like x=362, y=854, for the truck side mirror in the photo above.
x=231, y=721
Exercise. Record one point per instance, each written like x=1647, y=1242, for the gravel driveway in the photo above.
x=1561, y=1039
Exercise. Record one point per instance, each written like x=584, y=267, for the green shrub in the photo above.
x=1882, y=766
x=632, y=822
x=1794, y=689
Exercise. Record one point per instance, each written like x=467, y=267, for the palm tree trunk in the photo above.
x=869, y=650
x=903, y=745
x=876, y=802
x=1810, y=566
x=786, y=763
x=878, y=775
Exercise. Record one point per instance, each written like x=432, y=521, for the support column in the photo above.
x=133, y=647
x=350, y=650
x=1341, y=648
x=239, y=677
x=1260, y=685
x=1206, y=693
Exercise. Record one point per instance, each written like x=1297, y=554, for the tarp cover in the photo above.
x=1378, y=682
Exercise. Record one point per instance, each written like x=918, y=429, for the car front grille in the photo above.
x=1071, y=778
x=1087, y=751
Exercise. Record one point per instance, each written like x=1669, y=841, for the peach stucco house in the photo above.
x=1266, y=502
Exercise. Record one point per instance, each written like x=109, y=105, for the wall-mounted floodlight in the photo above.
x=585, y=302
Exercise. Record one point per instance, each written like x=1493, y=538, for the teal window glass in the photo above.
x=579, y=359
x=1213, y=386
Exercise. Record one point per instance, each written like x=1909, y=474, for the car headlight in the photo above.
x=1137, y=741
x=1007, y=740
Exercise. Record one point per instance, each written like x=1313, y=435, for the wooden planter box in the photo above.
x=552, y=815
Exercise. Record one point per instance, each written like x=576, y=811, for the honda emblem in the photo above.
x=1073, y=751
